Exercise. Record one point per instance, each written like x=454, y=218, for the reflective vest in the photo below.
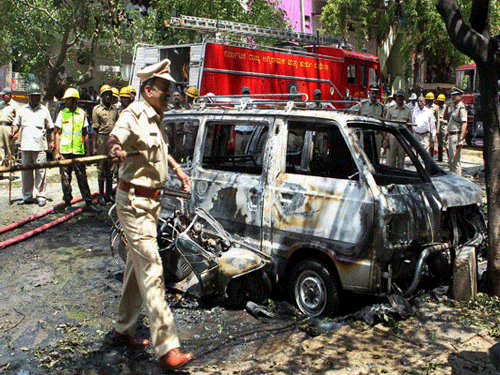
x=72, y=131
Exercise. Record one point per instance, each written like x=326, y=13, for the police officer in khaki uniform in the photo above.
x=399, y=112
x=442, y=126
x=456, y=114
x=372, y=107
x=104, y=117
x=139, y=129
x=8, y=109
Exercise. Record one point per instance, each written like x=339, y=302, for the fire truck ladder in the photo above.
x=228, y=27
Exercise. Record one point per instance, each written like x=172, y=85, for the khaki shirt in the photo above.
x=8, y=112
x=139, y=129
x=457, y=115
x=104, y=119
x=367, y=108
x=442, y=123
x=396, y=113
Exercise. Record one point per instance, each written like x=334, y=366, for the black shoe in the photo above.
x=42, y=202
x=91, y=207
x=102, y=201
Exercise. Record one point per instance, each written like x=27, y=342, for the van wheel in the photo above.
x=314, y=288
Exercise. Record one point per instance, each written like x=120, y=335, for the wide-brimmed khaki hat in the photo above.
x=160, y=70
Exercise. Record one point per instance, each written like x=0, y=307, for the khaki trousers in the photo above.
x=143, y=280
x=39, y=182
x=396, y=153
x=426, y=141
x=5, y=147
x=454, y=164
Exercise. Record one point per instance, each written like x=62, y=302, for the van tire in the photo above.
x=314, y=288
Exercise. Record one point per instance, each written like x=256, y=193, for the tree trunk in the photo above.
x=477, y=44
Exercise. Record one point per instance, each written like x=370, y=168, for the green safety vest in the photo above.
x=72, y=132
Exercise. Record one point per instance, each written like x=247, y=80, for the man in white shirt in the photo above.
x=32, y=122
x=425, y=126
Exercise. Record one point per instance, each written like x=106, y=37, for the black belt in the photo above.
x=5, y=123
x=422, y=133
x=453, y=133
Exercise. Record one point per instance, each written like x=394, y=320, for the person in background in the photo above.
x=398, y=112
x=442, y=126
x=317, y=104
x=115, y=97
x=425, y=125
x=139, y=128
x=94, y=96
x=125, y=98
x=33, y=123
x=84, y=95
x=104, y=117
x=456, y=114
x=8, y=110
x=132, y=92
x=72, y=141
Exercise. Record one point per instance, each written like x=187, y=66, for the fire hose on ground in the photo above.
x=52, y=164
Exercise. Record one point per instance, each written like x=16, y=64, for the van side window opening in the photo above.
x=351, y=74
x=317, y=150
x=389, y=171
x=235, y=147
x=181, y=139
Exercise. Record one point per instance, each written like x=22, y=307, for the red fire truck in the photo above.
x=223, y=68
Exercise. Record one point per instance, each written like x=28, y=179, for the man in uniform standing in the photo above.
x=104, y=117
x=372, y=107
x=8, y=108
x=425, y=126
x=399, y=112
x=125, y=98
x=72, y=141
x=456, y=114
x=32, y=122
x=441, y=126
x=139, y=129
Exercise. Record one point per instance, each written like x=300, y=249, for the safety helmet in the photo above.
x=125, y=92
x=192, y=92
x=441, y=98
x=115, y=92
x=71, y=93
x=34, y=89
x=429, y=96
x=132, y=89
x=105, y=88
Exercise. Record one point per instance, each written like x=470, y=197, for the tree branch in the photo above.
x=32, y=5
x=466, y=40
x=479, y=16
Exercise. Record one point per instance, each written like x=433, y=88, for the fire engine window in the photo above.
x=318, y=151
x=181, y=139
x=364, y=76
x=351, y=74
x=235, y=147
x=373, y=76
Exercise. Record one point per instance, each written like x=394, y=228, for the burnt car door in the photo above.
x=320, y=200
x=229, y=182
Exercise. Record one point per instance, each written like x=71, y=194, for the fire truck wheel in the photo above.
x=314, y=288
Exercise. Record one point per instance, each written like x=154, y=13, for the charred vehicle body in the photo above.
x=314, y=191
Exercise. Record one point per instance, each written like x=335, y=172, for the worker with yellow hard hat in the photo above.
x=72, y=141
x=429, y=103
x=104, y=117
x=133, y=93
x=442, y=126
x=115, y=98
x=125, y=97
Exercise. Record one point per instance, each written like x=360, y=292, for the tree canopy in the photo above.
x=426, y=34
x=39, y=36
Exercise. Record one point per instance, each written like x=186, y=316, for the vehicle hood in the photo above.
x=456, y=191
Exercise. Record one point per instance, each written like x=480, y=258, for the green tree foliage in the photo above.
x=39, y=36
x=426, y=35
